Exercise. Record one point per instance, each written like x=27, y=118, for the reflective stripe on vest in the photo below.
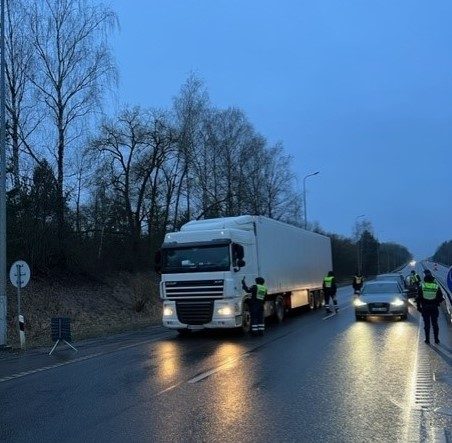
x=429, y=290
x=261, y=292
x=328, y=282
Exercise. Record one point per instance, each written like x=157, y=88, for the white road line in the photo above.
x=77, y=360
x=226, y=365
x=412, y=420
x=329, y=316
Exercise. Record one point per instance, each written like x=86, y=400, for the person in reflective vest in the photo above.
x=428, y=301
x=358, y=281
x=258, y=293
x=329, y=291
x=415, y=280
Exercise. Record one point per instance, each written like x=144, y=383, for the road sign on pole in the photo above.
x=19, y=275
x=449, y=279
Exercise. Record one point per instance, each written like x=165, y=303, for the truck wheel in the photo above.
x=312, y=302
x=246, y=319
x=279, y=309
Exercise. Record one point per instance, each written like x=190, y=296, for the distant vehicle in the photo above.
x=394, y=276
x=202, y=267
x=381, y=298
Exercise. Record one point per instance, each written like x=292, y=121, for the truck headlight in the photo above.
x=397, y=302
x=167, y=311
x=226, y=311
x=358, y=302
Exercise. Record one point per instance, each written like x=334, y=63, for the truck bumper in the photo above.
x=233, y=320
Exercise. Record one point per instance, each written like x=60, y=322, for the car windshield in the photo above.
x=196, y=259
x=380, y=288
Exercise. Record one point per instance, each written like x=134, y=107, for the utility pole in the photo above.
x=3, y=302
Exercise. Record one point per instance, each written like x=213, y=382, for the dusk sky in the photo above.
x=360, y=90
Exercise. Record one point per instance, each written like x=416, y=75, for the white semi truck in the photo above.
x=202, y=267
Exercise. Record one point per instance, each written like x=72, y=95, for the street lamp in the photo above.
x=304, y=197
x=358, y=244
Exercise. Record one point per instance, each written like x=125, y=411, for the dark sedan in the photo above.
x=381, y=298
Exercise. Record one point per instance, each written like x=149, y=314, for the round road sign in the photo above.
x=19, y=274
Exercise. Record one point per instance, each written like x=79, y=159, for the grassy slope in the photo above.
x=118, y=303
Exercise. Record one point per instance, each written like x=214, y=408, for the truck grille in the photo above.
x=194, y=312
x=194, y=289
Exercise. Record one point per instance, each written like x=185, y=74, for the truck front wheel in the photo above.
x=279, y=308
x=246, y=318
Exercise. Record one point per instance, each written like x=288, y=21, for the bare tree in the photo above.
x=135, y=147
x=70, y=39
x=190, y=108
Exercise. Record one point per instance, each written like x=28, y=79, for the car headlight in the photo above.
x=397, y=302
x=359, y=302
x=225, y=310
x=167, y=311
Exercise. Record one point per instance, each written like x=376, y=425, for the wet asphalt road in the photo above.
x=309, y=379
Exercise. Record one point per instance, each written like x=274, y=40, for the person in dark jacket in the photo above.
x=358, y=281
x=428, y=301
x=258, y=293
x=329, y=291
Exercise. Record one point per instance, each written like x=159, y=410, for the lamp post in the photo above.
x=304, y=197
x=358, y=244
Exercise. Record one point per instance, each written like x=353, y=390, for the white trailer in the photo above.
x=202, y=267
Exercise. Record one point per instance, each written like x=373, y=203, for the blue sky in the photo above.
x=358, y=89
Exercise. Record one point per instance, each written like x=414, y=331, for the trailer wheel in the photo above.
x=318, y=300
x=279, y=309
x=312, y=302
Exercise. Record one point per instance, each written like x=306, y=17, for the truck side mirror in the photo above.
x=158, y=262
x=238, y=251
x=241, y=263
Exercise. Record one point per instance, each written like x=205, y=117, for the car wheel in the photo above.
x=279, y=309
x=359, y=317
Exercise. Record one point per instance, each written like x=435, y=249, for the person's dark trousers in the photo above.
x=329, y=296
x=431, y=314
x=257, y=317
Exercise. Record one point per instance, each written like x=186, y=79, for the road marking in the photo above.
x=226, y=365
x=79, y=359
x=329, y=316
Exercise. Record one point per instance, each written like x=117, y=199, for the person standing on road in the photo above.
x=428, y=301
x=258, y=293
x=329, y=291
x=358, y=281
x=415, y=280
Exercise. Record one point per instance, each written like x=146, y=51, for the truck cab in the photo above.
x=201, y=273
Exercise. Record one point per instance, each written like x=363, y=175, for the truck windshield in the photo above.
x=196, y=259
